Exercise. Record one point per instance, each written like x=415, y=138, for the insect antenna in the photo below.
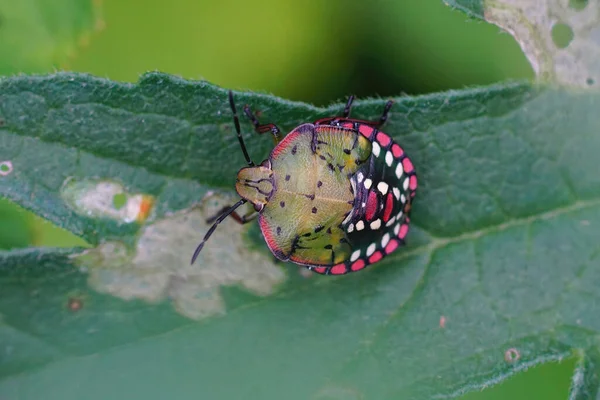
x=236, y=122
x=214, y=226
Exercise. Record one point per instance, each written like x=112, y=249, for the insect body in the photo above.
x=333, y=196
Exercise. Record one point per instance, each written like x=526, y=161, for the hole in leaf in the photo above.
x=578, y=4
x=119, y=200
x=562, y=35
x=511, y=355
x=6, y=168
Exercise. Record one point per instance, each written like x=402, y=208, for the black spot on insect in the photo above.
x=331, y=167
x=310, y=196
x=282, y=204
x=294, y=149
x=350, y=201
x=352, y=190
x=321, y=142
x=278, y=230
x=319, y=184
x=341, y=167
x=343, y=240
x=314, y=210
x=307, y=234
x=287, y=177
x=319, y=228
x=329, y=247
x=322, y=157
x=347, y=151
x=329, y=230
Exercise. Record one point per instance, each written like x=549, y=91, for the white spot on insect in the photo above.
x=396, y=193
x=350, y=228
x=371, y=249
x=385, y=240
x=360, y=225
x=363, y=204
x=376, y=149
x=355, y=256
x=360, y=177
x=403, y=199
x=389, y=158
x=400, y=214
x=376, y=224
x=6, y=168
x=382, y=187
x=368, y=183
x=391, y=222
x=397, y=229
x=399, y=170
x=405, y=184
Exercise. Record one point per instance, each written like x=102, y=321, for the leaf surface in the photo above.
x=500, y=272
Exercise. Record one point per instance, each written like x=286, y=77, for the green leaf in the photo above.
x=500, y=272
x=560, y=39
x=41, y=35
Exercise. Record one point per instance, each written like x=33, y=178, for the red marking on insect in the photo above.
x=407, y=164
x=383, y=139
x=320, y=270
x=338, y=269
x=403, y=231
x=397, y=150
x=348, y=125
x=285, y=143
x=366, y=130
x=375, y=257
x=389, y=205
x=413, y=183
x=391, y=246
x=358, y=264
x=267, y=233
x=372, y=205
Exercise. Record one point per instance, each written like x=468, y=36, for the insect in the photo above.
x=334, y=195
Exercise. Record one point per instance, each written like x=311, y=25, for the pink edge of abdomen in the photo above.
x=397, y=150
x=413, y=182
x=403, y=231
x=408, y=166
x=366, y=131
x=338, y=269
x=383, y=139
x=375, y=257
x=391, y=246
x=358, y=265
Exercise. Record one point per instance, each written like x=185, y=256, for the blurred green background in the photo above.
x=314, y=51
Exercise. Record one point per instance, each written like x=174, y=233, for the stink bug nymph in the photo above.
x=333, y=196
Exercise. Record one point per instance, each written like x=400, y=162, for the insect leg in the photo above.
x=219, y=219
x=263, y=128
x=241, y=219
